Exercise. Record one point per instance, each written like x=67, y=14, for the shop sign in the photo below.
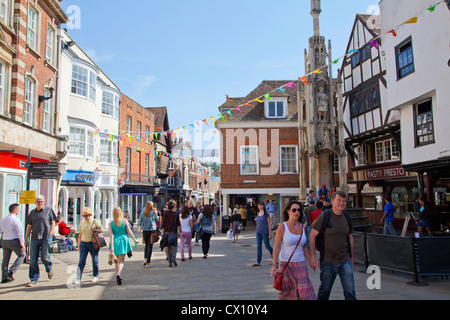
x=27, y=197
x=76, y=176
x=381, y=173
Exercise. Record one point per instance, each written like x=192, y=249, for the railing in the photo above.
x=426, y=256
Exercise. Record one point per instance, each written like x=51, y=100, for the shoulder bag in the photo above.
x=98, y=240
x=278, y=281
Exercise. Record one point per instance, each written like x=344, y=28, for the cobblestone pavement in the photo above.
x=227, y=274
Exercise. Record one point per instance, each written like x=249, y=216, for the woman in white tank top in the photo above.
x=296, y=283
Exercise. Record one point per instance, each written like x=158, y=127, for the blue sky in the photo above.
x=187, y=55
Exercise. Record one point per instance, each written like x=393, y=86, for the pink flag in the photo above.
x=374, y=43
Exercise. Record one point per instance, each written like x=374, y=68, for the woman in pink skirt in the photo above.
x=296, y=283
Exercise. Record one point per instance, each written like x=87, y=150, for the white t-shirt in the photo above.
x=185, y=224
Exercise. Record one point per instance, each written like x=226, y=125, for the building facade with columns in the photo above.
x=89, y=117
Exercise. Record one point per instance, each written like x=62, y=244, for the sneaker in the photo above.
x=175, y=263
x=50, y=274
x=77, y=282
x=31, y=284
x=148, y=265
x=94, y=279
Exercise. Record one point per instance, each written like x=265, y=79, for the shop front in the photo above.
x=434, y=185
x=13, y=179
x=133, y=199
x=371, y=185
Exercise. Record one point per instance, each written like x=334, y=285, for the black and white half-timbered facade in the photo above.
x=372, y=131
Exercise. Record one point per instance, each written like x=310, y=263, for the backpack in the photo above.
x=320, y=239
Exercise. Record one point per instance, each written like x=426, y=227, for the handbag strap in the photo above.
x=301, y=234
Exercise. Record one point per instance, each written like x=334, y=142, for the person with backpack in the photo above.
x=332, y=236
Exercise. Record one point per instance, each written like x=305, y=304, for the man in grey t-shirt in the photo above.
x=338, y=240
x=41, y=224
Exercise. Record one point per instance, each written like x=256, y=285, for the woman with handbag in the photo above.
x=291, y=275
x=187, y=227
x=119, y=229
x=206, y=221
x=147, y=221
x=170, y=228
x=85, y=244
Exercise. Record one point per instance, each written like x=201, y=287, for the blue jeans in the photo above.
x=388, y=225
x=260, y=237
x=44, y=246
x=328, y=273
x=85, y=248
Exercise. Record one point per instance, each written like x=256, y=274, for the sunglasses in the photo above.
x=86, y=215
x=295, y=210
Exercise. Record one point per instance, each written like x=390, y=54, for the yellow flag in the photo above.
x=317, y=71
x=412, y=20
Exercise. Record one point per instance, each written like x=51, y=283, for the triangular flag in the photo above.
x=393, y=32
x=221, y=115
x=206, y=122
x=238, y=109
x=192, y=125
x=317, y=71
x=248, y=104
x=257, y=99
x=229, y=112
x=291, y=85
x=165, y=133
x=374, y=43
x=197, y=123
x=336, y=61
x=353, y=50
x=213, y=120
x=267, y=96
x=431, y=9
x=412, y=20
x=303, y=79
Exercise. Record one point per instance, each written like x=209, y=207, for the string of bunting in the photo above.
x=126, y=137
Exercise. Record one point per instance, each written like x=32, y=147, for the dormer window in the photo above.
x=275, y=108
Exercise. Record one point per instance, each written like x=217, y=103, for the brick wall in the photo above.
x=230, y=170
x=129, y=107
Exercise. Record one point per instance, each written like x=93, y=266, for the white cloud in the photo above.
x=142, y=83
x=99, y=58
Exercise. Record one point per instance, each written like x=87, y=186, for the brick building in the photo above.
x=29, y=57
x=137, y=157
x=259, y=147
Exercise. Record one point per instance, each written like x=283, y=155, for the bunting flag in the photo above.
x=431, y=9
x=393, y=32
x=303, y=79
x=353, y=50
x=122, y=136
x=374, y=43
x=412, y=20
